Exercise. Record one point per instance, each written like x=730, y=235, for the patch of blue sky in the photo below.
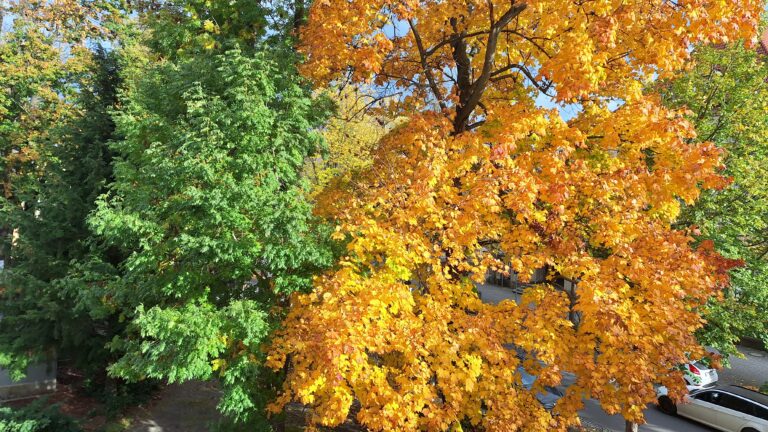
x=7, y=23
x=569, y=111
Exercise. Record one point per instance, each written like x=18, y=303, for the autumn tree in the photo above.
x=44, y=53
x=481, y=170
x=727, y=95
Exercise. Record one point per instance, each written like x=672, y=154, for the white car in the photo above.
x=727, y=408
x=699, y=374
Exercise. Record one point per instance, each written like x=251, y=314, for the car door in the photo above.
x=735, y=412
x=761, y=414
x=700, y=407
x=751, y=414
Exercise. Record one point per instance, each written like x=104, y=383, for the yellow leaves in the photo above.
x=427, y=210
x=351, y=136
x=474, y=364
x=207, y=41
x=307, y=394
x=218, y=364
x=668, y=211
x=210, y=27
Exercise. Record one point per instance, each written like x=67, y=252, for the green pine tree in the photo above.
x=42, y=314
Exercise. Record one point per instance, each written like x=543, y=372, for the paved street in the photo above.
x=186, y=407
x=750, y=371
x=494, y=294
x=657, y=421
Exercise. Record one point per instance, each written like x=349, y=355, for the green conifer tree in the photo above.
x=208, y=201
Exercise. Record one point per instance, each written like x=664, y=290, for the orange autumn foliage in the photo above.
x=482, y=171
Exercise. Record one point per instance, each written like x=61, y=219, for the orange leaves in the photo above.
x=720, y=263
x=380, y=344
x=400, y=323
x=482, y=177
x=575, y=44
x=357, y=23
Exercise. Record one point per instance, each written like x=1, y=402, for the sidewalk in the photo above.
x=186, y=407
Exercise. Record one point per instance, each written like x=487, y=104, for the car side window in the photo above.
x=737, y=404
x=761, y=412
x=707, y=396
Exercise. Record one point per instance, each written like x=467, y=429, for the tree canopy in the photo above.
x=170, y=210
x=208, y=202
x=481, y=174
x=54, y=127
x=167, y=218
x=352, y=133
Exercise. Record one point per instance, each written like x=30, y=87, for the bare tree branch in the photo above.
x=425, y=66
x=496, y=76
x=452, y=39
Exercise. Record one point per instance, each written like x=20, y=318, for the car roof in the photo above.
x=744, y=392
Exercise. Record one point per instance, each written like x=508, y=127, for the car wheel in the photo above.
x=667, y=405
x=749, y=430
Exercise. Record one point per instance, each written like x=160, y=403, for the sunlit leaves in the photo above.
x=482, y=177
x=210, y=207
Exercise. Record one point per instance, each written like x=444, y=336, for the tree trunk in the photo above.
x=299, y=15
x=630, y=426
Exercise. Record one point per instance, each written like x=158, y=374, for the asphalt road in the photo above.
x=494, y=294
x=656, y=421
x=752, y=370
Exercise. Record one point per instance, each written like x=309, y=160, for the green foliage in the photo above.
x=203, y=25
x=209, y=207
x=207, y=193
x=41, y=310
x=45, y=65
x=728, y=97
x=167, y=219
x=36, y=89
x=36, y=417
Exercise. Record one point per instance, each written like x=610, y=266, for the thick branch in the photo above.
x=463, y=63
x=475, y=91
x=299, y=15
